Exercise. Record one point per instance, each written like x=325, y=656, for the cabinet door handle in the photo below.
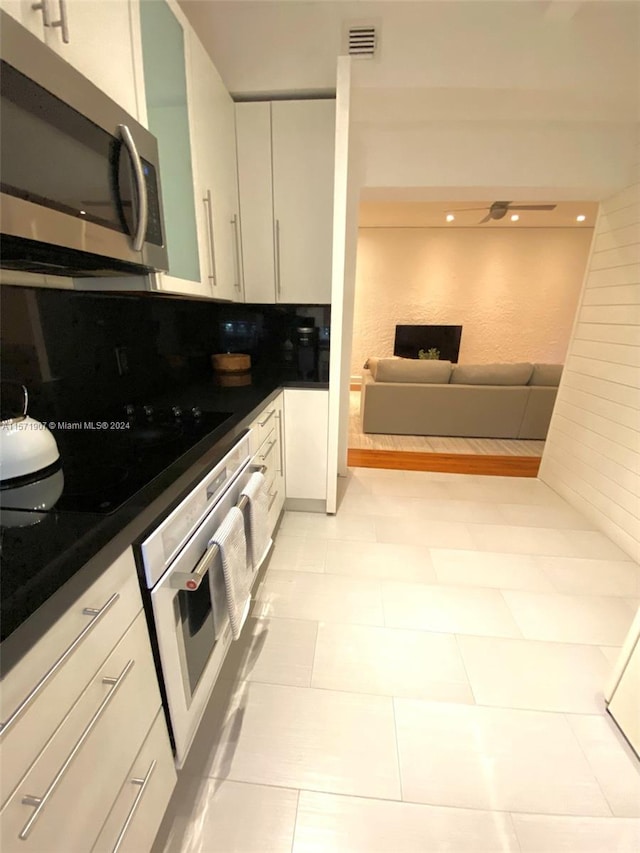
x=212, y=251
x=43, y=6
x=268, y=418
x=273, y=497
x=236, y=245
x=96, y=617
x=62, y=21
x=143, y=783
x=278, y=282
x=279, y=418
x=41, y=802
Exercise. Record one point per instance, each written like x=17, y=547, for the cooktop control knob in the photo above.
x=196, y=411
x=177, y=412
x=130, y=410
x=148, y=410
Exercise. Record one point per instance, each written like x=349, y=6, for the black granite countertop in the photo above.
x=47, y=565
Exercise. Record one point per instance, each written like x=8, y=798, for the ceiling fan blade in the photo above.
x=486, y=219
x=532, y=206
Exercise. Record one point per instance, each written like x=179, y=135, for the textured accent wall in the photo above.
x=592, y=454
x=514, y=290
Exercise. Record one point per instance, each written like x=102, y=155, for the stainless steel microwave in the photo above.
x=79, y=176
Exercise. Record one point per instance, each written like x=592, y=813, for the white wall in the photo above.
x=551, y=161
x=514, y=291
x=592, y=454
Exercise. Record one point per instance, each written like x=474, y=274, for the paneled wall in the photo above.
x=592, y=454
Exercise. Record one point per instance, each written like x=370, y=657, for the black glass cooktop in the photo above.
x=105, y=462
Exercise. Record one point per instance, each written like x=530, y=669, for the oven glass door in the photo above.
x=53, y=156
x=196, y=632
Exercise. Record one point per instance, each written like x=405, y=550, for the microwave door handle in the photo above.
x=141, y=186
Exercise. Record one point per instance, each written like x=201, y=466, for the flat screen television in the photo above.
x=411, y=339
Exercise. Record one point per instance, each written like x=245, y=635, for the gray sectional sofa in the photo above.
x=402, y=396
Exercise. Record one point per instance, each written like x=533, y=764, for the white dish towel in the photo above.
x=236, y=567
x=258, y=517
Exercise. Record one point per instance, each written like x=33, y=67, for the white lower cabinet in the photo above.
x=267, y=444
x=76, y=645
x=133, y=820
x=76, y=712
x=306, y=419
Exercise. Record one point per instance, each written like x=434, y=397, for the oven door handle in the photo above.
x=190, y=581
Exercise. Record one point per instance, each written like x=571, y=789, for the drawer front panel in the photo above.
x=136, y=814
x=261, y=426
x=75, y=780
x=86, y=633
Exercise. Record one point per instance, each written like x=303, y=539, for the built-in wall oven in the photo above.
x=80, y=177
x=186, y=598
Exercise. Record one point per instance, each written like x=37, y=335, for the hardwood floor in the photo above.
x=450, y=463
x=496, y=457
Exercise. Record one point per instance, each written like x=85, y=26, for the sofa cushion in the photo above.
x=425, y=371
x=546, y=374
x=492, y=374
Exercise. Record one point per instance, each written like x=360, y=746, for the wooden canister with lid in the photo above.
x=231, y=369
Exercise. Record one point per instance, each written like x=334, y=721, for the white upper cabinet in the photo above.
x=303, y=163
x=171, y=120
x=285, y=167
x=215, y=164
x=95, y=37
x=253, y=127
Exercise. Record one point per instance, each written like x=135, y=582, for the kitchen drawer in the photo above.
x=86, y=638
x=276, y=501
x=262, y=426
x=267, y=456
x=79, y=773
x=136, y=814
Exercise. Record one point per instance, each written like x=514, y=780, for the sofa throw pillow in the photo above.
x=428, y=372
x=546, y=374
x=491, y=374
x=371, y=363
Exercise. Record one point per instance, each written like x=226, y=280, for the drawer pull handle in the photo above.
x=273, y=497
x=97, y=615
x=41, y=802
x=143, y=787
x=279, y=419
x=268, y=418
x=268, y=450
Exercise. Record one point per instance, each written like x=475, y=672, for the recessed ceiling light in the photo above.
x=581, y=218
x=450, y=217
x=83, y=213
x=514, y=217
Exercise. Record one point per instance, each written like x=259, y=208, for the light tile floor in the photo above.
x=423, y=672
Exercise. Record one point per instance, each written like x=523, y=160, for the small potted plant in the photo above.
x=431, y=353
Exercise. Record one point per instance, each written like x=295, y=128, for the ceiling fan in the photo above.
x=499, y=209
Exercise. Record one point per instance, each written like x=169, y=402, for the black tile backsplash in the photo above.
x=83, y=353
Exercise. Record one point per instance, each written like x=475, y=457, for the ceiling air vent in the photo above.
x=362, y=41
